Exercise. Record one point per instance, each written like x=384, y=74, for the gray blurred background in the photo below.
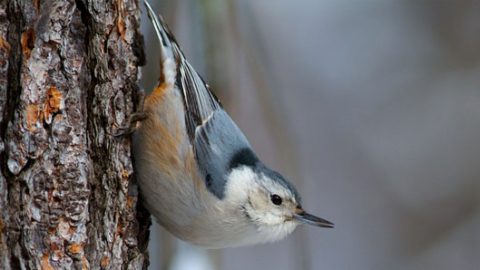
x=372, y=109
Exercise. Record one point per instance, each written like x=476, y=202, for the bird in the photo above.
x=197, y=172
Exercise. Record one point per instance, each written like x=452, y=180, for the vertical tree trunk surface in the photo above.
x=68, y=73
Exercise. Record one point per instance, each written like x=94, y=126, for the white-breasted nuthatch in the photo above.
x=196, y=170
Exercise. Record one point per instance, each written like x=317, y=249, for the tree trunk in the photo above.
x=68, y=73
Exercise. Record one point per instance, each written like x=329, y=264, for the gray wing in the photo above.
x=219, y=147
x=200, y=103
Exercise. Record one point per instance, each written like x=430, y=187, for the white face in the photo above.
x=266, y=203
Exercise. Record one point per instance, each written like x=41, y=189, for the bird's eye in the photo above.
x=276, y=199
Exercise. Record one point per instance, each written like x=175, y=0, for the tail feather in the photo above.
x=199, y=102
x=167, y=57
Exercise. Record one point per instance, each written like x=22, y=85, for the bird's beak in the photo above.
x=304, y=217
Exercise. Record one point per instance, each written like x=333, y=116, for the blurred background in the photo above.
x=372, y=109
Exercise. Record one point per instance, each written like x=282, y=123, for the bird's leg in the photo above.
x=135, y=117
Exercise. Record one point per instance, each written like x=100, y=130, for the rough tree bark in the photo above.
x=68, y=73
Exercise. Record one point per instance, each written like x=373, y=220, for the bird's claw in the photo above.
x=135, y=117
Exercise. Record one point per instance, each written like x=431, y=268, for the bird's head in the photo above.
x=268, y=201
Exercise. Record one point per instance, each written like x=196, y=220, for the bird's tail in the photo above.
x=169, y=50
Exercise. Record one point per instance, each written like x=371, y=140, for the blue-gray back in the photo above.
x=219, y=145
